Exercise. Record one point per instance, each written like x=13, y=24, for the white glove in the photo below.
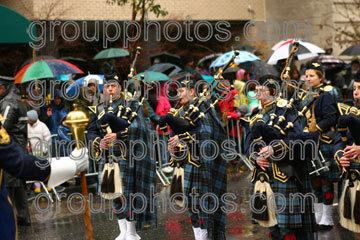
x=81, y=159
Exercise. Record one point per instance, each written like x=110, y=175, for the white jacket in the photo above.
x=39, y=132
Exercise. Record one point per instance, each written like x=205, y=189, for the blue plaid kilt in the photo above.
x=334, y=174
x=294, y=212
x=139, y=176
x=209, y=178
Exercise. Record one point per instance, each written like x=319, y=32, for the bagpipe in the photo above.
x=112, y=122
x=349, y=204
x=185, y=126
x=189, y=121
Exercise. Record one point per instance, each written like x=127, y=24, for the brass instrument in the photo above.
x=77, y=122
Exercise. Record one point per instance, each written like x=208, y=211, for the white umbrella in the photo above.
x=283, y=48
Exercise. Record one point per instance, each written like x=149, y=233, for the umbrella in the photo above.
x=153, y=76
x=166, y=68
x=210, y=57
x=181, y=76
x=230, y=73
x=245, y=47
x=353, y=50
x=84, y=81
x=283, y=48
x=38, y=58
x=45, y=69
x=165, y=57
x=112, y=53
x=243, y=56
x=329, y=61
x=259, y=68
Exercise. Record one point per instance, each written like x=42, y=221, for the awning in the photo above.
x=13, y=27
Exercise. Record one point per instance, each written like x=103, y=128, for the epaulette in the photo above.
x=327, y=88
x=255, y=117
x=93, y=109
x=343, y=108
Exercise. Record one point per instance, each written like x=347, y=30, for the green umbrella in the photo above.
x=153, y=76
x=112, y=53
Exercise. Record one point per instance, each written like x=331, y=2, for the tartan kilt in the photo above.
x=139, y=176
x=333, y=175
x=290, y=213
x=210, y=178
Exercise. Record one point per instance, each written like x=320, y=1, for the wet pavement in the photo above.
x=56, y=221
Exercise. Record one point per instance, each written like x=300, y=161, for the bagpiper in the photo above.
x=199, y=168
x=278, y=175
x=347, y=156
x=112, y=132
x=321, y=119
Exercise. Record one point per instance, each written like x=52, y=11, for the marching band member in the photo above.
x=199, y=174
x=15, y=161
x=321, y=119
x=282, y=176
x=347, y=155
x=135, y=176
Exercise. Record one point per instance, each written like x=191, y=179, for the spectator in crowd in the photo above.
x=161, y=105
x=39, y=137
x=189, y=65
x=53, y=116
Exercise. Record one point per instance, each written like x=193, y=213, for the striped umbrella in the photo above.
x=329, y=61
x=283, y=48
x=45, y=69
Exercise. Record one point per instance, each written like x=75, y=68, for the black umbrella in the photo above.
x=165, y=57
x=230, y=73
x=210, y=58
x=181, y=76
x=259, y=68
x=166, y=68
x=244, y=47
x=353, y=50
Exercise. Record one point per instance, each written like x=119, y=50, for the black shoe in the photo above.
x=325, y=228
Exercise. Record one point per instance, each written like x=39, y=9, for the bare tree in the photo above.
x=347, y=30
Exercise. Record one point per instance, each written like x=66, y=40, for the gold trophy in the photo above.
x=77, y=122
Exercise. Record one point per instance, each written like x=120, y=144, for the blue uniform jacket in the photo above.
x=19, y=164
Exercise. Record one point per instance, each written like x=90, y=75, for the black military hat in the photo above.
x=188, y=83
x=111, y=77
x=314, y=66
x=6, y=80
x=270, y=81
x=357, y=77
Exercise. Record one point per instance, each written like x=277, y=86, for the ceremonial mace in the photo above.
x=77, y=122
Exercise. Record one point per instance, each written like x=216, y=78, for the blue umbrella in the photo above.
x=243, y=56
x=83, y=82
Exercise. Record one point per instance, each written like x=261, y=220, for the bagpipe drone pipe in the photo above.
x=349, y=203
